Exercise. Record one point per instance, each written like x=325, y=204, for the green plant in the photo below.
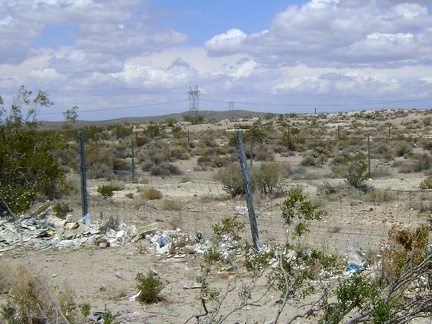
x=28, y=300
x=85, y=309
x=358, y=175
x=267, y=178
x=426, y=183
x=149, y=286
x=231, y=179
x=230, y=227
x=109, y=318
x=107, y=191
x=297, y=209
x=29, y=168
x=61, y=210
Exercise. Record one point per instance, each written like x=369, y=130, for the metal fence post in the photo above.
x=83, y=175
x=248, y=190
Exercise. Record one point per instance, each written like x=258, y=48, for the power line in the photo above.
x=250, y=103
x=124, y=107
x=314, y=105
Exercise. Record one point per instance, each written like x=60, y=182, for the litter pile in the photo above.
x=41, y=230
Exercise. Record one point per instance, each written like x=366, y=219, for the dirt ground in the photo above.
x=105, y=277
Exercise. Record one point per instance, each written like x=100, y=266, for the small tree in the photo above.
x=27, y=166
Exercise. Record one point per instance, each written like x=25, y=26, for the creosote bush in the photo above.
x=151, y=193
x=149, y=286
x=107, y=191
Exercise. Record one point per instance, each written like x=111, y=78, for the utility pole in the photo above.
x=231, y=109
x=193, y=102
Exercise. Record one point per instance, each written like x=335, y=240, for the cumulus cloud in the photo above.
x=353, y=82
x=337, y=33
x=108, y=27
x=227, y=43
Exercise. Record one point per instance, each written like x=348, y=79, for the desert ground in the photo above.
x=104, y=277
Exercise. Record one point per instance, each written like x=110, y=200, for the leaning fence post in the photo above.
x=248, y=189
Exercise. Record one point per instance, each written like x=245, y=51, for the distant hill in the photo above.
x=208, y=116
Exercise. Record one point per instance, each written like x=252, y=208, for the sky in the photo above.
x=127, y=58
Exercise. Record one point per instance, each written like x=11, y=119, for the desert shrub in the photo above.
x=378, y=196
x=329, y=188
x=267, y=177
x=403, y=148
x=383, y=151
x=158, y=171
x=151, y=193
x=426, y=183
x=61, y=210
x=382, y=171
x=149, y=286
x=358, y=175
x=107, y=191
x=28, y=167
x=308, y=160
x=263, y=153
x=164, y=169
x=27, y=300
x=172, y=204
x=230, y=227
x=422, y=162
x=231, y=179
x=405, y=249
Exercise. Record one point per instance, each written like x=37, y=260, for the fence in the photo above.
x=194, y=202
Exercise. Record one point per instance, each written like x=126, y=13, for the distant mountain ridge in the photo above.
x=208, y=115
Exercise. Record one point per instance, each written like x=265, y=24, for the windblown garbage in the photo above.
x=42, y=230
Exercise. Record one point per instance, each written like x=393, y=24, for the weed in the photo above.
x=61, y=210
x=112, y=223
x=172, y=204
x=149, y=286
x=107, y=191
x=151, y=193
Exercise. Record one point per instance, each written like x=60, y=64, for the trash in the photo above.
x=189, y=249
x=85, y=219
x=241, y=210
x=192, y=285
x=355, y=267
x=103, y=243
x=134, y=297
x=148, y=228
x=163, y=241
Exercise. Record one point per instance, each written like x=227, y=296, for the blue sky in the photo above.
x=117, y=59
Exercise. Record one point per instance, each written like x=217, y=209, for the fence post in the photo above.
x=133, y=161
x=248, y=190
x=369, y=153
x=83, y=174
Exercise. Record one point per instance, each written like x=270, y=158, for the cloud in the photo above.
x=227, y=43
x=337, y=33
x=340, y=82
x=110, y=28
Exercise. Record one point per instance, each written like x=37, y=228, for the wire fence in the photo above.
x=195, y=205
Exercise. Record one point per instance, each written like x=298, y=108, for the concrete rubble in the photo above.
x=42, y=230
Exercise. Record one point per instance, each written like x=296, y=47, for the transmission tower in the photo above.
x=193, y=101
